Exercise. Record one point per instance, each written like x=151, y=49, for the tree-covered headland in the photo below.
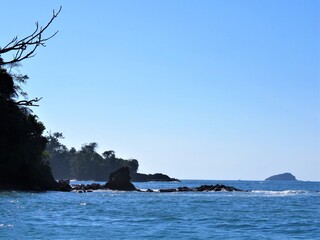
x=22, y=144
x=84, y=164
x=28, y=159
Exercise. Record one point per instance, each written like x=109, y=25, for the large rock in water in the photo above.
x=120, y=180
x=282, y=177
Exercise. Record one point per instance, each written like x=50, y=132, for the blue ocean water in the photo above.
x=268, y=210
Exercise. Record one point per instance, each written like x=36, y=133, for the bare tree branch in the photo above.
x=26, y=47
x=29, y=103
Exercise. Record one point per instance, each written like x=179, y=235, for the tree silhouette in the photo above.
x=22, y=145
x=84, y=164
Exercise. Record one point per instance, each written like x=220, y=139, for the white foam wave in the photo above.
x=280, y=193
x=5, y=225
x=98, y=190
x=146, y=190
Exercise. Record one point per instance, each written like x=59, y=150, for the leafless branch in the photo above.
x=29, y=103
x=26, y=47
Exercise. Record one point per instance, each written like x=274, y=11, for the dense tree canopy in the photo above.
x=84, y=164
x=22, y=163
x=21, y=142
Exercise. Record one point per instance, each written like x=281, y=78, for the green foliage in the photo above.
x=85, y=164
x=58, y=155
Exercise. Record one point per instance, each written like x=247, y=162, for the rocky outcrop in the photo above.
x=63, y=186
x=140, y=177
x=216, y=188
x=282, y=177
x=88, y=187
x=203, y=188
x=120, y=180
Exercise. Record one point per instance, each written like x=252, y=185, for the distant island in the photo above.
x=282, y=177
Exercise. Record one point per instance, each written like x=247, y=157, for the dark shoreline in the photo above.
x=118, y=180
x=82, y=188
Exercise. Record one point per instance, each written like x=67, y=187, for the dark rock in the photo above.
x=168, y=190
x=282, y=177
x=94, y=186
x=149, y=190
x=120, y=180
x=216, y=188
x=64, y=186
x=141, y=177
x=184, y=189
x=203, y=188
x=79, y=187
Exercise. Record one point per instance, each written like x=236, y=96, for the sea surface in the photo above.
x=267, y=210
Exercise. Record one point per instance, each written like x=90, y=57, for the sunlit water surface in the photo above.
x=268, y=210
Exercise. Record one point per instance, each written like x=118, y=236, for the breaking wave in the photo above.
x=282, y=193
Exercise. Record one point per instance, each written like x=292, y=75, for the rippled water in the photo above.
x=269, y=210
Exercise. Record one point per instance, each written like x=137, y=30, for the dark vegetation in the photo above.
x=87, y=164
x=84, y=164
x=21, y=142
x=22, y=164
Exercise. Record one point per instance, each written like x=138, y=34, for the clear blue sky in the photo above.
x=194, y=89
